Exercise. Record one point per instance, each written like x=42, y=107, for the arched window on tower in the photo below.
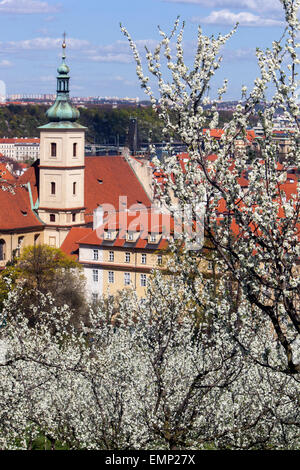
x=53, y=188
x=2, y=250
x=74, y=189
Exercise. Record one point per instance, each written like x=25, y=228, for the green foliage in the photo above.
x=21, y=121
x=42, y=443
x=39, y=265
x=105, y=125
x=45, y=269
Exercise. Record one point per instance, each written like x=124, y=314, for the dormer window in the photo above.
x=53, y=149
x=130, y=237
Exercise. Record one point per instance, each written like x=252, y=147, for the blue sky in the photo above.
x=98, y=54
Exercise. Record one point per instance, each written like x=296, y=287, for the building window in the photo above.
x=75, y=150
x=127, y=279
x=127, y=257
x=95, y=275
x=2, y=250
x=153, y=238
x=111, y=277
x=52, y=218
x=96, y=255
x=143, y=280
x=20, y=241
x=74, y=189
x=73, y=217
x=111, y=256
x=130, y=237
x=144, y=258
x=53, y=188
x=159, y=260
x=108, y=235
x=95, y=297
x=53, y=150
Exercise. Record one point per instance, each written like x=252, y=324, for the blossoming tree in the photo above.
x=255, y=237
x=149, y=377
x=199, y=362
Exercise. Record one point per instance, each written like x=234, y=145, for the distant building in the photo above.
x=119, y=255
x=20, y=149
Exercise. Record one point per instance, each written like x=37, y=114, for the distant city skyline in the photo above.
x=99, y=56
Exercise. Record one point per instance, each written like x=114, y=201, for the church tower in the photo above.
x=62, y=150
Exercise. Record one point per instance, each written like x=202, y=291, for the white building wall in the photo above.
x=86, y=254
x=92, y=286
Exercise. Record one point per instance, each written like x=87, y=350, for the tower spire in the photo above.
x=62, y=110
x=64, y=46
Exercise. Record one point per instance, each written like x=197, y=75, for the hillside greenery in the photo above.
x=105, y=125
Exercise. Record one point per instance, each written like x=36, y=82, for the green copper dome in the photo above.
x=62, y=110
x=63, y=69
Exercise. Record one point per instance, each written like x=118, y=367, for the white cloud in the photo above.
x=256, y=5
x=120, y=58
x=227, y=17
x=5, y=63
x=27, y=7
x=239, y=54
x=46, y=43
x=117, y=52
x=124, y=81
x=47, y=78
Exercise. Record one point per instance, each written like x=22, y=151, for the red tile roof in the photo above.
x=95, y=239
x=217, y=133
x=86, y=236
x=108, y=178
x=140, y=221
x=5, y=173
x=19, y=141
x=15, y=210
x=70, y=245
x=31, y=175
